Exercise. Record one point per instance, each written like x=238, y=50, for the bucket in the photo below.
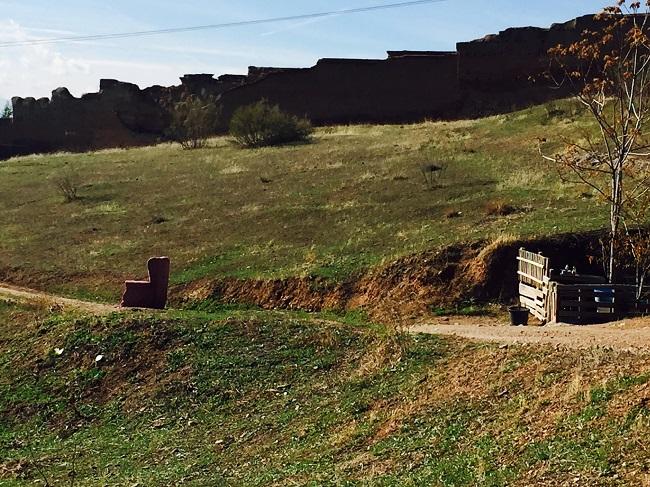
x=518, y=315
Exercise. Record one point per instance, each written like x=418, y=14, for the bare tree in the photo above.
x=608, y=70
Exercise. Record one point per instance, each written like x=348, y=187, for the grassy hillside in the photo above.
x=237, y=397
x=349, y=200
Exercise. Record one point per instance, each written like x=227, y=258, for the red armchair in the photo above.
x=152, y=293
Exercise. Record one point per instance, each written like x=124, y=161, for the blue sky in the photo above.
x=37, y=70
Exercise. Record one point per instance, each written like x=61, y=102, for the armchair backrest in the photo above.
x=159, y=268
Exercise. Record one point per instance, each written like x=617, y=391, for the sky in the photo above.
x=38, y=69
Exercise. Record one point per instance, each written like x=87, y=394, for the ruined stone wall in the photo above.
x=256, y=73
x=207, y=85
x=203, y=85
x=506, y=71
x=345, y=90
x=119, y=115
x=507, y=60
x=6, y=138
x=485, y=76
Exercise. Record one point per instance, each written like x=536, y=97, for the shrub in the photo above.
x=194, y=120
x=431, y=172
x=67, y=183
x=553, y=110
x=262, y=124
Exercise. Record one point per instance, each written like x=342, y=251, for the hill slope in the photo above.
x=233, y=397
x=353, y=198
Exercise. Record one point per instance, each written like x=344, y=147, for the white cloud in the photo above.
x=36, y=70
x=57, y=32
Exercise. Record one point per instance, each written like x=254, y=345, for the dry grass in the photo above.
x=501, y=208
x=477, y=270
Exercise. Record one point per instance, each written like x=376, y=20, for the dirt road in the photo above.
x=630, y=335
x=22, y=294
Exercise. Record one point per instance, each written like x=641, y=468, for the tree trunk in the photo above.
x=615, y=220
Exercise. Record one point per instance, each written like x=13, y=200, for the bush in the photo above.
x=67, y=183
x=194, y=120
x=431, y=172
x=262, y=124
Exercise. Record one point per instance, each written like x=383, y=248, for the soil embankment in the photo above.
x=408, y=287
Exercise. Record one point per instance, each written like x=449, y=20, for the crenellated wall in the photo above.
x=494, y=74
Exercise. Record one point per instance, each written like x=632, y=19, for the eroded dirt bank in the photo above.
x=408, y=287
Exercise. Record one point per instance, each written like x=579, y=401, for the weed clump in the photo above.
x=262, y=124
x=67, y=184
x=431, y=172
x=501, y=208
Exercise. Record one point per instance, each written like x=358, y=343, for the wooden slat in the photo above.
x=532, y=291
x=535, y=308
x=538, y=312
x=536, y=264
x=532, y=303
x=591, y=292
x=619, y=287
x=584, y=316
x=540, y=281
x=532, y=268
x=551, y=310
x=582, y=304
x=533, y=282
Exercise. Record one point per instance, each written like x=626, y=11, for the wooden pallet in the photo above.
x=592, y=303
x=551, y=302
x=533, y=271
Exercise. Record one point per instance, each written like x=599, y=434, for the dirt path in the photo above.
x=22, y=294
x=629, y=335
